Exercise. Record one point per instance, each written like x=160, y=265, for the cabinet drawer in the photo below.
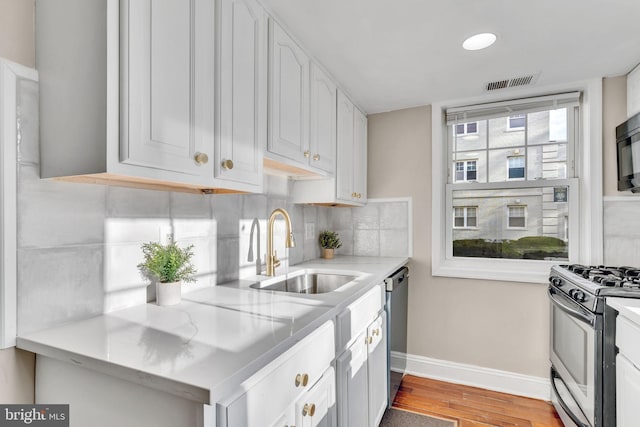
x=271, y=391
x=628, y=339
x=358, y=315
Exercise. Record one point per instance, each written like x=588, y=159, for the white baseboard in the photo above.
x=476, y=376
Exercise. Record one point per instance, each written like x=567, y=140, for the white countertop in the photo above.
x=627, y=307
x=205, y=347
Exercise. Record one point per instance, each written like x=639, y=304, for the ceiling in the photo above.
x=393, y=54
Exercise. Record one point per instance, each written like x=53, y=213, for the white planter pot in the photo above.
x=168, y=293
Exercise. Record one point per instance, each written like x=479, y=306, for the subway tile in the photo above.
x=228, y=259
x=394, y=243
x=341, y=219
x=53, y=213
x=188, y=205
x=28, y=116
x=346, y=237
x=135, y=203
x=254, y=206
x=227, y=210
x=366, y=243
x=136, y=230
x=58, y=285
x=394, y=215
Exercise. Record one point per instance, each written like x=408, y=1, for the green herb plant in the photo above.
x=167, y=263
x=329, y=240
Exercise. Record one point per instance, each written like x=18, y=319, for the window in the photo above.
x=516, y=167
x=466, y=170
x=512, y=178
x=465, y=217
x=562, y=149
x=516, y=122
x=467, y=128
x=516, y=217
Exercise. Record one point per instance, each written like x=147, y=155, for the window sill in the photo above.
x=507, y=270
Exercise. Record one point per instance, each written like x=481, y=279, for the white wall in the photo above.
x=17, y=44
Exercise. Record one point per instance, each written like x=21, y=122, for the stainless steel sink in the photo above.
x=307, y=283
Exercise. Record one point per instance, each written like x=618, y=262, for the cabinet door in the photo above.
x=360, y=156
x=242, y=91
x=377, y=369
x=322, y=143
x=289, y=97
x=353, y=397
x=317, y=406
x=167, y=88
x=345, y=134
x=627, y=392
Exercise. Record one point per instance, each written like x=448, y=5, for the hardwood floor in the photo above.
x=473, y=407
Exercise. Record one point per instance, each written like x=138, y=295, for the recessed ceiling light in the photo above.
x=479, y=41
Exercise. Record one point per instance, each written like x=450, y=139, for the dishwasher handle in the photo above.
x=398, y=278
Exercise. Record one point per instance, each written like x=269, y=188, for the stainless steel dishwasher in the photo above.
x=397, y=297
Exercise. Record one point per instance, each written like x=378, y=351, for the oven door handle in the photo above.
x=564, y=406
x=585, y=317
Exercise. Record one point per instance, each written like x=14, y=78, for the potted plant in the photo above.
x=169, y=266
x=329, y=241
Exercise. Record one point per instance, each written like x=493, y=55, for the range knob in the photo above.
x=555, y=281
x=579, y=296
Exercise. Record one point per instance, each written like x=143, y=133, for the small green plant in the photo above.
x=330, y=240
x=167, y=263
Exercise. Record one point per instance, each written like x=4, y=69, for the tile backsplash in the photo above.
x=622, y=231
x=79, y=244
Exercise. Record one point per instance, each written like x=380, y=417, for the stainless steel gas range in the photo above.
x=582, y=347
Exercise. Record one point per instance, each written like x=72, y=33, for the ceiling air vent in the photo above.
x=514, y=82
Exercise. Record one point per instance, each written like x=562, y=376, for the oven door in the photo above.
x=573, y=354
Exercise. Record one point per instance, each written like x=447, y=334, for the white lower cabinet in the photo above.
x=362, y=366
x=302, y=375
x=627, y=372
x=627, y=393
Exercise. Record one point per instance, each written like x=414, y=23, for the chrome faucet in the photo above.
x=272, y=256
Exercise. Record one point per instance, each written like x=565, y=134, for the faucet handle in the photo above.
x=276, y=261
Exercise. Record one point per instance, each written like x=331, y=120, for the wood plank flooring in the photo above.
x=473, y=407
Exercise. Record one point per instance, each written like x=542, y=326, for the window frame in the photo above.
x=524, y=159
x=516, y=128
x=465, y=170
x=585, y=230
x=466, y=129
x=466, y=226
x=525, y=216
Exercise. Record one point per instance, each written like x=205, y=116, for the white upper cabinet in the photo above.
x=160, y=94
x=167, y=119
x=360, y=156
x=322, y=143
x=242, y=91
x=289, y=97
x=349, y=187
x=346, y=130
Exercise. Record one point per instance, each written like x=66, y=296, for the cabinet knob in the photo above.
x=354, y=194
x=227, y=164
x=368, y=340
x=307, y=154
x=309, y=409
x=302, y=379
x=376, y=332
x=359, y=195
x=201, y=158
x=316, y=157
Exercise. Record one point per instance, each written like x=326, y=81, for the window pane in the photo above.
x=547, y=161
x=472, y=127
x=500, y=136
x=459, y=222
x=459, y=129
x=517, y=121
x=544, y=235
